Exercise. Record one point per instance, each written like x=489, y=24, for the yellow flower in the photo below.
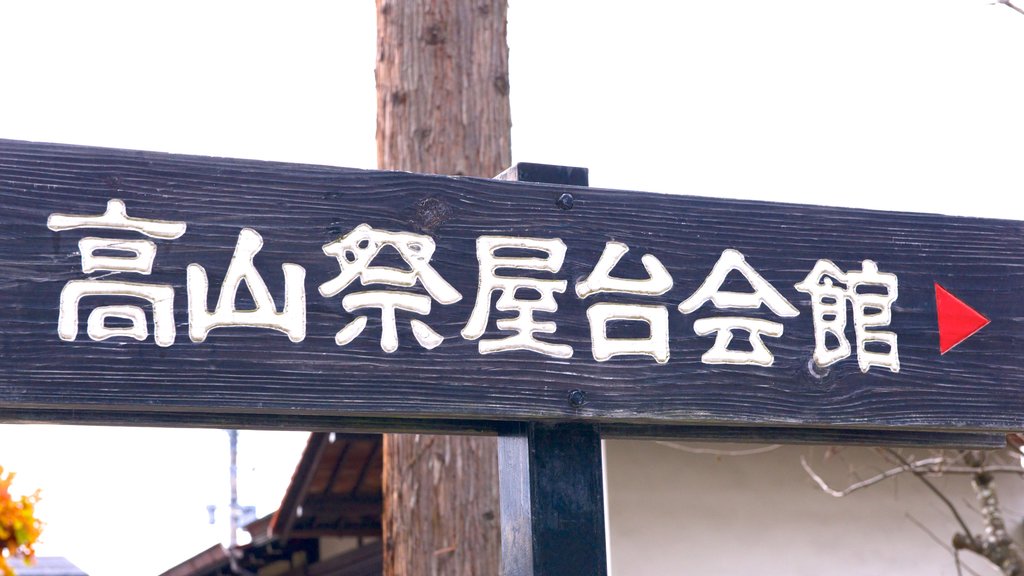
x=19, y=528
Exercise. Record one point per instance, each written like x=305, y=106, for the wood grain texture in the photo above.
x=552, y=496
x=442, y=108
x=978, y=386
x=517, y=541
x=351, y=425
x=443, y=87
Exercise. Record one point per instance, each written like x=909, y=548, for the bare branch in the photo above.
x=924, y=478
x=908, y=467
x=717, y=452
x=942, y=464
x=1010, y=4
x=821, y=481
x=996, y=544
x=935, y=538
x=1017, y=470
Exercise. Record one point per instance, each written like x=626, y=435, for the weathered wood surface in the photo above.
x=348, y=424
x=297, y=209
x=552, y=501
x=442, y=108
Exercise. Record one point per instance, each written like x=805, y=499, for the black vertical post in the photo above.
x=516, y=503
x=551, y=475
x=552, y=501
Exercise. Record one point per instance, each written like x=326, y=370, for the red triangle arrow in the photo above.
x=957, y=321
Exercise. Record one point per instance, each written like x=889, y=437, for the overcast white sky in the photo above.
x=895, y=105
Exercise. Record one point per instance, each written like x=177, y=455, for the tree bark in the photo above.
x=442, y=107
x=442, y=87
x=995, y=543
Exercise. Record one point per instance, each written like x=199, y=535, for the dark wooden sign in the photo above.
x=154, y=283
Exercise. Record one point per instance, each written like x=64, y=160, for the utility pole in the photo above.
x=442, y=107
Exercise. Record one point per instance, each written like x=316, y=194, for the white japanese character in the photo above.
x=524, y=325
x=724, y=325
x=160, y=297
x=292, y=318
x=142, y=254
x=870, y=310
x=600, y=281
x=763, y=293
x=355, y=251
x=116, y=218
x=603, y=347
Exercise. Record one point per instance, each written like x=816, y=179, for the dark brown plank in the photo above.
x=349, y=425
x=242, y=372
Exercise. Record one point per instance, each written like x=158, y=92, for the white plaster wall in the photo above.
x=676, y=513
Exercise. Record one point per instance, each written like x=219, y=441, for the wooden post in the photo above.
x=552, y=501
x=442, y=107
x=552, y=476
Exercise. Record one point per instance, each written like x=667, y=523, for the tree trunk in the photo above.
x=995, y=543
x=442, y=87
x=442, y=107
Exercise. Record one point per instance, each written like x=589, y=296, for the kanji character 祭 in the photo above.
x=355, y=251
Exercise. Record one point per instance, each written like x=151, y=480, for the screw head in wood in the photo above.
x=564, y=201
x=577, y=398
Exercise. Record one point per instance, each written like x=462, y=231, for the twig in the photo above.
x=852, y=470
x=992, y=469
x=953, y=551
x=924, y=478
x=930, y=534
x=970, y=506
x=1010, y=4
x=907, y=467
x=940, y=469
x=717, y=452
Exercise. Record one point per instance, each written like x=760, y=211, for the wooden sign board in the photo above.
x=154, y=283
